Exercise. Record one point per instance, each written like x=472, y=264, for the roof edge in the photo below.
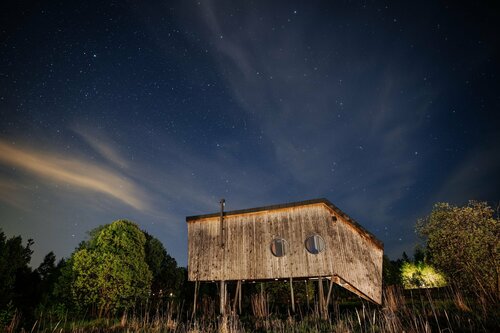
x=259, y=209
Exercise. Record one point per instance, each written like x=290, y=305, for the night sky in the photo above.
x=154, y=110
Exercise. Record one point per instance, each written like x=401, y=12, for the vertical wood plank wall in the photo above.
x=348, y=253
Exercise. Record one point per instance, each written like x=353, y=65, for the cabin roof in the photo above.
x=294, y=204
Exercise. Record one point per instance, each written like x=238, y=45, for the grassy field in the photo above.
x=442, y=310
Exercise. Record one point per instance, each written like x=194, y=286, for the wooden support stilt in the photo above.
x=321, y=296
x=223, y=292
x=223, y=298
x=291, y=295
x=329, y=292
x=307, y=294
x=196, y=288
x=263, y=301
x=237, y=295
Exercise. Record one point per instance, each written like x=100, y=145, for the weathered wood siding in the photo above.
x=348, y=253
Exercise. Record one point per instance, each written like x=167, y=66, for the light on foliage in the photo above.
x=110, y=270
x=421, y=275
x=463, y=243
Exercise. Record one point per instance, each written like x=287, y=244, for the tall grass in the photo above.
x=443, y=310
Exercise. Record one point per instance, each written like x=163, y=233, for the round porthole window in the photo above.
x=315, y=244
x=279, y=247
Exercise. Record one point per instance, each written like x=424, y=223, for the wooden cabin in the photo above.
x=300, y=240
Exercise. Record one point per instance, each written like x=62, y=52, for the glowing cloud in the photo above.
x=83, y=174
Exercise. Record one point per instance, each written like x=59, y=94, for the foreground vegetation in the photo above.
x=429, y=310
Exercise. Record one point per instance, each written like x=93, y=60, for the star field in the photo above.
x=153, y=111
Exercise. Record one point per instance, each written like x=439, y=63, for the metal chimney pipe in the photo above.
x=222, y=204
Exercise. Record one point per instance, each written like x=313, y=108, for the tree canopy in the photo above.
x=19, y=284
x=117, y=267
x=167, y=277
x=110, y=269
x=463, y=243
x=14, y=257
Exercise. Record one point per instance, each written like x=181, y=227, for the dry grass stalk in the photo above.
x=393, y=298
x=459, y=301
x=14, y=323
x=123, y=321
x=260, y=307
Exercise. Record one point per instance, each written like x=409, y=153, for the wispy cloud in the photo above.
x=311, y=126
x=81, y=173
x=102, y=146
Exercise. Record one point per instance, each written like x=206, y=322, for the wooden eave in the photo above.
x=324, y=201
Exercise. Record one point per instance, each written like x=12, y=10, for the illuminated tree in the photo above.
x=421, y=275
x=463, y=242
x=110, y=270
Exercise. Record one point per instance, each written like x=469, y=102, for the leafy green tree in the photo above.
x=168, y=279
x=463, y=242
x=109, y=270
x=17, y=281
x=419, y=255
x=48, y=266
x=27, y=294
x=155, y=254
x=58, y=299
x=421, y=275
x=14, y=257
x=390, y=271
x=48, y=273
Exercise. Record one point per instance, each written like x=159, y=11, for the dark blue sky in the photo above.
x=154, y=110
